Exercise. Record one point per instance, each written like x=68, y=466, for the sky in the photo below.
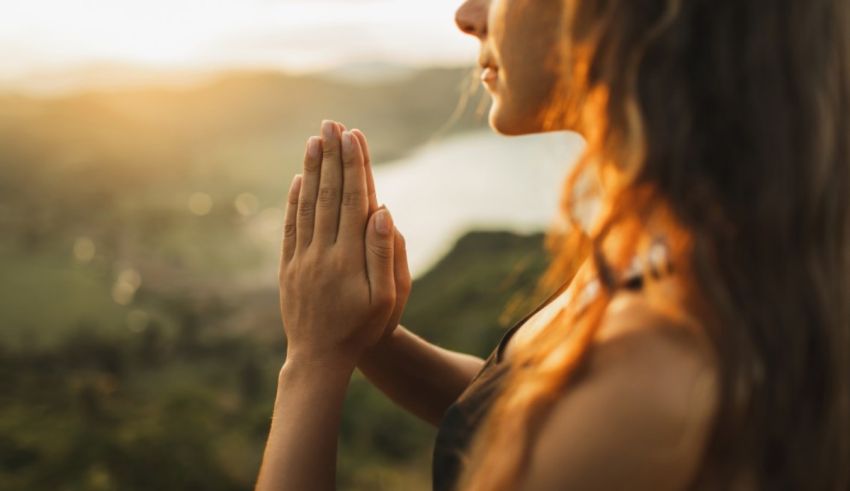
x=294, y=35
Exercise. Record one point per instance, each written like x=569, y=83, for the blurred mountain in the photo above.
x=102, y=76
x=256, y=122
x=369, y=73
x=117, y=168
x=486, y=282
x=96, y=152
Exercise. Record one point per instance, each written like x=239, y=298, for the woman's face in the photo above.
x=519, y=56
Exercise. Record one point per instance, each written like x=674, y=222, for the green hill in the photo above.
x=180, y=402
x=477, y=290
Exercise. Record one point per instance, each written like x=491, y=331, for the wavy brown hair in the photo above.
x=728, y=122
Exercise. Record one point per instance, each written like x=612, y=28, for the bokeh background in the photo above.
x=145, y=152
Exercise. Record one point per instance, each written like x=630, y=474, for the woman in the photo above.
x=699, y=334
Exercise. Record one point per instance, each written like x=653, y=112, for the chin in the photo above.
x=506, y=120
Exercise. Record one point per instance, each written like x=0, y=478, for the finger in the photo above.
x=370, y=181
x=290, y=235
x=401, y=269
x=354, y=210
x=402, y=281
x=330, y=186
x=379, y=260
x=309, y=189
x=341, y=127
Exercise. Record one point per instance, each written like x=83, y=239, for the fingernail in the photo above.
x=346, y=142
x=328, y=128
x=313, y=147
x=382, y=222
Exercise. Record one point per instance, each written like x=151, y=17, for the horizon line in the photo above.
x=113, y=75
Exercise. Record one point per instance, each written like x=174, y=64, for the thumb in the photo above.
x=402, y=282
x=379, y=258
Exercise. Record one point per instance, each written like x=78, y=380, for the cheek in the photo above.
x=524, y=95
x=528, y=45
x=497, y=16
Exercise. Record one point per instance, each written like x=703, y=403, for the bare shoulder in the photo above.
x=638, y=414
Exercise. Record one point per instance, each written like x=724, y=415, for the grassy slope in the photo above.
x=165, y=410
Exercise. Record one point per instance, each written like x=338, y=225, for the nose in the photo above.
x=471, y=17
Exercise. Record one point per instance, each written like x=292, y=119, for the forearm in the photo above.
x=417, y=375
x=302, y=445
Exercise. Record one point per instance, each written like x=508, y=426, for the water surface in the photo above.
x=480, y=181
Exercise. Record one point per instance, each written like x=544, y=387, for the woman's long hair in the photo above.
x=729, y=123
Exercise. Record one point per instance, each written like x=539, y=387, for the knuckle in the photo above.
x=386, y=299
x=347, y=262
x=330, y=151
x=328, y=196
x=306, y=207
x=352, y=199
x=309, y=261
x=285, y=275
x=340, y=263
x=312, y=165
x=381, y=251
x=289, y=230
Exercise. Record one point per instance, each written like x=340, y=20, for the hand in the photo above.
x=337, y=279
x=402, y=272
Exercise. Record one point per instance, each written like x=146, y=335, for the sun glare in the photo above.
x=294, y=34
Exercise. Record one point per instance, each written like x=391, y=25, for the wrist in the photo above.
x=322, y=376
x=319, y=363
x=382, y=346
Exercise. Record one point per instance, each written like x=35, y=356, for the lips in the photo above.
x=489, y=69
x=489, y=74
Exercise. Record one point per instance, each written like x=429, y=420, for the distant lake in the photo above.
x=481, y=181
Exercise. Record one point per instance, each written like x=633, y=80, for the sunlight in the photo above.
x=298, y=35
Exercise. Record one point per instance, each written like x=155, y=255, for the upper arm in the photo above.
x=636, y=418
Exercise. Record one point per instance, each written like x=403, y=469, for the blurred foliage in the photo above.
x=185, y=403
x=141, y=341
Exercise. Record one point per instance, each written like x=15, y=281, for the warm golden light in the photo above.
x=200, y=204
x=246, y=204
x=298, y=35
x=124, y=289
x=84, y=250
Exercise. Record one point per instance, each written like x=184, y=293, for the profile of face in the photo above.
x=519, y=48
